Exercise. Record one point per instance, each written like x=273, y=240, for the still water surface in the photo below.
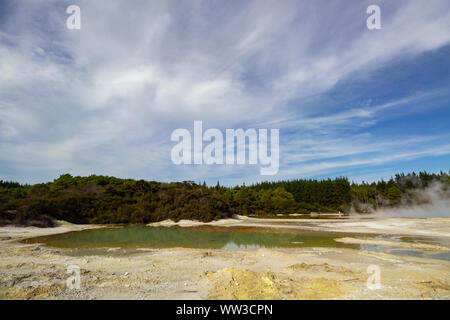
x=230, y=238
x=195, y=237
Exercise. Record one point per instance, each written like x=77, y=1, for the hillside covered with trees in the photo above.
x=101, y=199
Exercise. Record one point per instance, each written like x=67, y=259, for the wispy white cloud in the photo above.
x=327, y=166
x=104, y=99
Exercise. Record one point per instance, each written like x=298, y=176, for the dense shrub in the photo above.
x=101, y=199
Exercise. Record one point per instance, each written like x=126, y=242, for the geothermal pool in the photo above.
x=226, y=238
x=194, y=237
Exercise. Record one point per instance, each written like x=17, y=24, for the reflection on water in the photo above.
x=235, y=246
x=231, y=238
x=215, y=238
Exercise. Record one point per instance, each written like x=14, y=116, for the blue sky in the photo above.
x=104, y=99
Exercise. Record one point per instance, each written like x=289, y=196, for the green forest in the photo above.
x=110, y=200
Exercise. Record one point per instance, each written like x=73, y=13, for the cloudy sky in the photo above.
x=105, y=99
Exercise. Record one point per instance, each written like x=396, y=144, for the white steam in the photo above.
x=434, y=203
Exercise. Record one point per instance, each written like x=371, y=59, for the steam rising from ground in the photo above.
x=434, y=203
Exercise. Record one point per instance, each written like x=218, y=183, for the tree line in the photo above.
x=103, y=199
